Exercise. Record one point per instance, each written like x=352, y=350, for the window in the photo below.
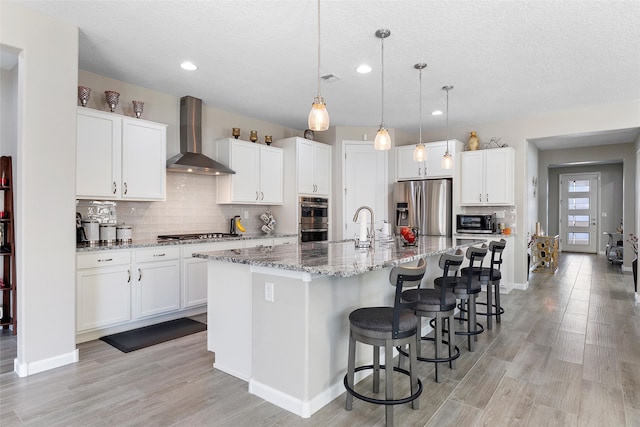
x=578, y=220
x=578, y=238
x=579, y=186
x=578, y=203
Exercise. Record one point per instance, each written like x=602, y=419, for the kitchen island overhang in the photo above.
x=278, y=316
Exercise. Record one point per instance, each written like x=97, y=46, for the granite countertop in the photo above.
x=85, y=247
x=341, y=259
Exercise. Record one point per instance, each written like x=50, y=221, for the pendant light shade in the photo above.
x=420, y=152
x=318, y=116
x=383, y=139
x=447, y=159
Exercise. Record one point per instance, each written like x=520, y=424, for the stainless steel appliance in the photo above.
x=475, y=223
x=190, y=159
x=314, y=219
x=425, y=205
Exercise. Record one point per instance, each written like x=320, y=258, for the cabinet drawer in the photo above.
x=158, y=254
x=103, y=259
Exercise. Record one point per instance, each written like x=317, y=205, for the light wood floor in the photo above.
x=566, y=354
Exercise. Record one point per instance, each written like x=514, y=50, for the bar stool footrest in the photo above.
x=478, y=313
x=407, y=399
x=434, y=360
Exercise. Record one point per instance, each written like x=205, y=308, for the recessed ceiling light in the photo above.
x=437, y=113
x=364, y=69
x=189, y=66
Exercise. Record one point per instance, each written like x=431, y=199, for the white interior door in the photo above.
x=579, y=208
x=365, y=184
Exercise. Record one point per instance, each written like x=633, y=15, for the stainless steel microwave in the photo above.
x=481, y=224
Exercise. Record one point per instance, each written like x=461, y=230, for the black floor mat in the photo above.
x=154, y=334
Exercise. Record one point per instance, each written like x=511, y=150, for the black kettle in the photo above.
x=81, y=234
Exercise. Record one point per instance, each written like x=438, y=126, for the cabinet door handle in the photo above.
x=129, y=273
x=487, y=197
x=139, y=275
x=156, y=255
x=115, y=187
x=125, y=188
x=261, y=195
x=257, y=196
x=480, y=197
x=419, y=171
x=105, y=260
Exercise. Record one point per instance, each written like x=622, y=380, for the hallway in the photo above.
x=567, y=353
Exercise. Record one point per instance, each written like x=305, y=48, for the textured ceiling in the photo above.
x=506, y=59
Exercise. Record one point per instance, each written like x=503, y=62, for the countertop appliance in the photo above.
x=314, y=219
x=81, y=233
x=425, y=205
x=476, y=223
x=195, y=236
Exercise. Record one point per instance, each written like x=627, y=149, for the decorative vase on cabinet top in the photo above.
x=473, y=142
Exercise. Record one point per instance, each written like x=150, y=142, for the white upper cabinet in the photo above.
x=258, y=177
x=119, y=157
x=407, y=168
x=313, y=165
x=487, y=177
x=144, y=159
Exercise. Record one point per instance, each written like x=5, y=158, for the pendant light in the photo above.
x=447, y=160
x=420, y=152
x=383, y=139
x=318, y=116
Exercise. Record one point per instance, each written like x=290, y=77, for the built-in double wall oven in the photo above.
x=314, y=219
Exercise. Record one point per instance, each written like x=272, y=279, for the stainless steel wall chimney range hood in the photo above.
x=191, y=159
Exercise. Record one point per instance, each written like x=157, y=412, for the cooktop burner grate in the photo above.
x=195, y=236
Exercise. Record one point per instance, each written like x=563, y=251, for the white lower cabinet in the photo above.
x=156, y=288
x=103, y=289
x=194, y=271
x=114, y=287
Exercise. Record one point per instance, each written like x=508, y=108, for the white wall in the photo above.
x=45, y=183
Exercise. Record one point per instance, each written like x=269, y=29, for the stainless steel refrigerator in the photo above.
x=425, y=205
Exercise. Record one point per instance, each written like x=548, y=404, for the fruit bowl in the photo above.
x=408, y=236
x=405, y=242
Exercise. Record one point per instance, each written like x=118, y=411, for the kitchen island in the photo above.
x=278, y=316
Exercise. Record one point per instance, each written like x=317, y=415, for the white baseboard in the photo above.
x=303, y=408
x=240, y=375
x=521, y=286
x=26, y=369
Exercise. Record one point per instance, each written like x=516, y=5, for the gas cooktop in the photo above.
x=195, y=236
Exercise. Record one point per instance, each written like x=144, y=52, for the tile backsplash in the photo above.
x=190, y=207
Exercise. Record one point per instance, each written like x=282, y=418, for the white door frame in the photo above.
x=596, y=217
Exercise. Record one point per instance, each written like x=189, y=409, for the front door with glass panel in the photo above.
x=579, y=212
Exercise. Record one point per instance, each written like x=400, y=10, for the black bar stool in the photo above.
x=491, y=276
x=440, y=305
x=387, y=327
x=466, y=290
